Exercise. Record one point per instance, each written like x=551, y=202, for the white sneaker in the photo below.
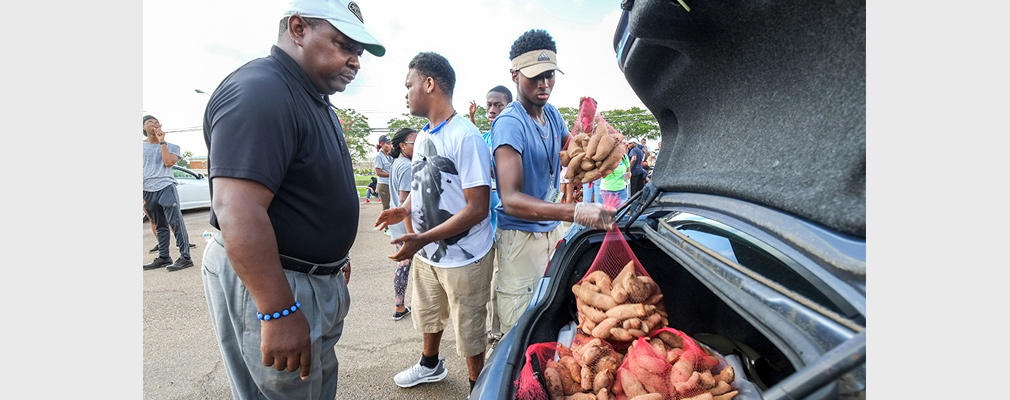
x=418, y=374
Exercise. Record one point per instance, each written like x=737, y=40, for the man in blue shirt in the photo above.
x=526, y=138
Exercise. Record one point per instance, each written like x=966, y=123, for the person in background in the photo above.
x=383, y=165
x=161, y=199
x=526, y=140
x=286, y=203
x=370, y=190
x=614, y=184
x=448, y=207
x=399, y=187
x=497, y=98
x=636, y=156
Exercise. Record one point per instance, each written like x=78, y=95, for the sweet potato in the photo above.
x=631, y=323
x=607, y=363
x=630, y=384
x=706, y=380
x=604, y=394
x=587, y=163
x=592, y=353
x=600, y=301
x=586, y=378
x=602, y=329
x=630, y=310
x=651, y=382
x=720, y=388
x=671, y=339
x=576, y=162
x=652, y=322
x=580, y=396
x=573, y=367
x=690, y=386
x=621, y=334
x=605, y=147
x=603, y=380
x=682, y=370
x=726, y=375
x=636, y=333
x=591, y=176
x=594, y=141
x=594, y=314
x=552, y=378
x=650, y=396
x=565, y=157
x=639, y=288
x=587, y=326
x=702, y=396
x=725, y=396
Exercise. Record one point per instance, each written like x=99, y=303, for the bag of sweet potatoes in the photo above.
x=617, y=300
x=669, y=364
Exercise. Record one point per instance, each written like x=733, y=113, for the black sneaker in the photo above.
x=399, y=315
x=181, y=263
x=153, y=249
x=158, y=263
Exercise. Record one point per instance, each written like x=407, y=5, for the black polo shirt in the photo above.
x=267, y=123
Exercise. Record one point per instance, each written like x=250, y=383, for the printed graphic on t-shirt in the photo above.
x=430, y=173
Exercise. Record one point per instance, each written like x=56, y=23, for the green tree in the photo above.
x=480, y=116
x=569, y=114
x=633, y=123
x=356, y=131
x=406, y=121
x=184, y=160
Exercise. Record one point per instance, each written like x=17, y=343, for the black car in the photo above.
x=754, y=222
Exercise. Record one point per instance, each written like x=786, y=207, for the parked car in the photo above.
x=193, y=189
x=753, y=224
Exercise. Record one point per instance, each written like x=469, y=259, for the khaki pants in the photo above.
x=522, y=261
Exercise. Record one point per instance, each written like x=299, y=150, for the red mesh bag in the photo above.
x=553, y=370
x=672, y=365
x=616, y=299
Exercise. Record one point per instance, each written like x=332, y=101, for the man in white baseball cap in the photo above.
x=343, y=15
x=284, y=199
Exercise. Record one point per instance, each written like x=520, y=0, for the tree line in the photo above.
x=634, y=123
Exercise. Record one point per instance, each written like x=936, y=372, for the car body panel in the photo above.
x=193, y=188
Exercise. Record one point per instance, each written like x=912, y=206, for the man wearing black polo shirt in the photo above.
x=285, y=202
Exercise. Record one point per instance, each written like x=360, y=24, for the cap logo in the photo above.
x=543, y=57
x=353, y=8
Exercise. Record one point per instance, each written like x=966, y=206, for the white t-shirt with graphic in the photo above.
x=453, y=158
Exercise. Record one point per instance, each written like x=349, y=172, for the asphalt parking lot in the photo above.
x=182, y=360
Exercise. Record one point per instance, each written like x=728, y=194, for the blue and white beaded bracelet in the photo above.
x=283, y=313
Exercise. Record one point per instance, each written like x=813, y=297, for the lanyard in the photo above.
x=439, y=126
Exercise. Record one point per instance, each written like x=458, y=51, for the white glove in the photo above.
x=594, y=215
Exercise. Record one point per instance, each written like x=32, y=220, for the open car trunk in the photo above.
x=754, y=222
x=787, y=299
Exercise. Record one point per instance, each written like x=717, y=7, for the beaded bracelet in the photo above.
x=267, y=317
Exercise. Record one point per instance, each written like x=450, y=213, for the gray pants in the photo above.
x=325, y=302
x=163, y=209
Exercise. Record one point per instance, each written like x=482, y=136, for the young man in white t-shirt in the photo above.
x=448, y=207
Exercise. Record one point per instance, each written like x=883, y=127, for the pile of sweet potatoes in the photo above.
x=671, y=365
x=586, y=371
x=592, y=156
x=620, y=309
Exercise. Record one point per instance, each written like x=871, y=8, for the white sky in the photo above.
x=194, y=44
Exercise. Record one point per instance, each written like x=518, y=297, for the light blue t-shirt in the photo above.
x=156, y=175
x=539, y=147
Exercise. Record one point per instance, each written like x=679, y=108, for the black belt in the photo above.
x=305, y=267
x=294, y=264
